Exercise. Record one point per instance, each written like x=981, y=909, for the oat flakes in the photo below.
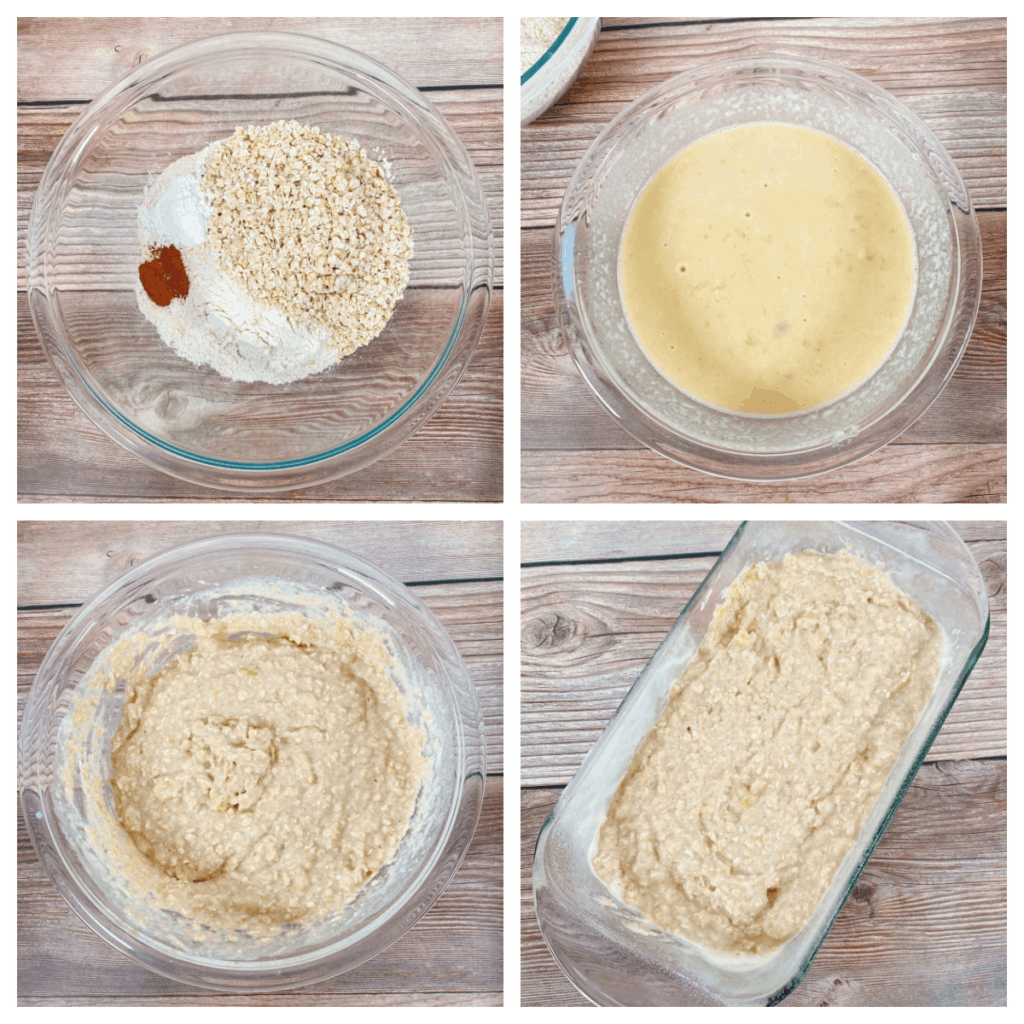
x=306, y=222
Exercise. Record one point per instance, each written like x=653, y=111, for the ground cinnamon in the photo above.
x=164, y=276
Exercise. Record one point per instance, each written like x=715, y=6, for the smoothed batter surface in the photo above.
x=767, y=268
x=742, y=801
x=266, y=775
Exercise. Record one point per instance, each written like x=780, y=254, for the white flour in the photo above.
x=216, y=324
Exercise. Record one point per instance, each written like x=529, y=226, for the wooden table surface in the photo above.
x=453, y=956
x=64, y=63
x=926, y=924
x=952, y=74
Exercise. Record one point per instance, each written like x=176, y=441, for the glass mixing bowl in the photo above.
x=209, y=579
x=656, y=127
x=82, y=265
x=549, y=78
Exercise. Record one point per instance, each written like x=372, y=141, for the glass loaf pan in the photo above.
x=605, y=948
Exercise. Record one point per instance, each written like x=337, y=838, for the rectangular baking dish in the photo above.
x=606, y=948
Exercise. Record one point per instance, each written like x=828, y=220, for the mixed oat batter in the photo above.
x=744, y=798
x=267, y=774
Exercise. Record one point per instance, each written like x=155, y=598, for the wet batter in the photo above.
x=743, y=800
x=265, y=776
x=767, y=268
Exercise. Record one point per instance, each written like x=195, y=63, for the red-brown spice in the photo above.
x=164, y=276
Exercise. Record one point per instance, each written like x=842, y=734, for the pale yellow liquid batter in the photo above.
x=767, y=268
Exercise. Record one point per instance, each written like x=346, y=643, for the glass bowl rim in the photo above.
x=539, y=63
x=578, y=35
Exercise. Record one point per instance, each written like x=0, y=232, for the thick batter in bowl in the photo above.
x=213, y=580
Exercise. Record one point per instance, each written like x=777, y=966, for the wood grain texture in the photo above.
x=568, y=541
x=63, y=456
x=94, y=554
x=952, y=73
x=927, y=922
x=454, y=955
x=895, y=474
x=458, y=455
x=309, y=998
x=562, y=541
x=428, y=52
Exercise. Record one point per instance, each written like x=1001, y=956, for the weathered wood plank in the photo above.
x=567, y=541
x=428, y=52
x=456, y=947
x=578, y=541
x=304, y=998
x=62, y=565
x=950, y=72
x=925, y=925
x=62, y=456
x=897, y=473
x=298, y=998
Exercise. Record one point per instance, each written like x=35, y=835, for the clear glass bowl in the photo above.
x=659, y=125
x=604, y=946
x=545, y=82
x=82, y=266
x=211, y=578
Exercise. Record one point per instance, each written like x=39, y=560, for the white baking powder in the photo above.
x=179, y=214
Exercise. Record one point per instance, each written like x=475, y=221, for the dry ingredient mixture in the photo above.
x=266, y=775
x=742, y=801
x=294, y=248
x=535, y=36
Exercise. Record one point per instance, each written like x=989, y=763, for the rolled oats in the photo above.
x=306, y=222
